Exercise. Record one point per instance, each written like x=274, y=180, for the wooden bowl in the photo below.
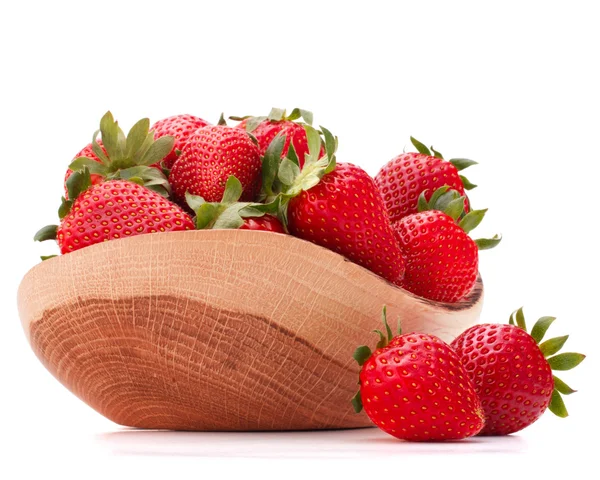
x=217, y=330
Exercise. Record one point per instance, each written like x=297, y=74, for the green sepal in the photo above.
x=307, y=116
x=565, y=361
x=194, y=201
x=382, y=339
x=111, y=136
x=233, y=190
x=137, y=180
x=276, y=114
x=270, y=164
x=149, y=177
x=222, y=120
x=455, y=208
x=511, y=319
x=136, y=136
x=92, y=165
x=288, y=172
x=541, y=327
x=488, y=243
x=361, y=354
x=388, y=330
x=422, y=204
x=158, y=150
x=292, y=155
x=253, y=122
x=97, y=149
x=553, y=345
x=357, y=402
x=421, y=148
x=78, y=183
x=313, y=140
x=230, y=218
x=43, y=258
x=462, y=163
x=466, y=183
x=562, y=387
x=46, y=233
x=64, y=208
x=557, y=405
x=520, y=319
x=206, y=215
x=238, y=119
x=436, y=154
x=472, y=220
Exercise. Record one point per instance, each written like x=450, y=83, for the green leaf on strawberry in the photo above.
x=138, y=150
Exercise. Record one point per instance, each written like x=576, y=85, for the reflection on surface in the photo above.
x=368, y=442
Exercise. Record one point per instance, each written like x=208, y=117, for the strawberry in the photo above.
x=441, y=258
x=268, y=223
x=211, y=155
x=180, y=127
x=414, y=387
x=333, y=205
x=512, y=372
x=110, y=210
x=89, y=153
x=134, y=157
x=231, y=213
x=265, y=129
x=406, y=176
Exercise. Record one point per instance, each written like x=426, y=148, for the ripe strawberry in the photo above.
x=335, y=206
x=267, y=223
x=180, y=127
x=512, y=373
x=265, y=129
x=211, y=155
x=231, y=213
x=441, y=258
x=110, y=210
x=89, y=153
x=406, y=176
x=414, y=387
x=133, y=157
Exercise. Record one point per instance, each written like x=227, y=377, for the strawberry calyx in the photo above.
x=283, y=179
x=229, y=212
x=77, y=183
x=276, y=115
x=128, y=157
x=557, y=361
x=459, y=163
x=364, y=352
x=452, y=203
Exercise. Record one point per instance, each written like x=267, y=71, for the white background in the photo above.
x=513, y=85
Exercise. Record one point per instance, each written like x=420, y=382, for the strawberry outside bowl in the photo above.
x=217, y=330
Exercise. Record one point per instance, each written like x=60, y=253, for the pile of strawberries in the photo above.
x=410, y=225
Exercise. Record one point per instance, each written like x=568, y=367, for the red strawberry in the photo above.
x=414, y=387
x=265, y=129
x=512, y=374
x=231, y=213
x=406, y=176
x=111, y=210
x=136, y=156
x=335, y=206
x=344, y=213
x=211, y=155
x=180, y=127
x=89, y=153
x=441, y=258
x=267, y=223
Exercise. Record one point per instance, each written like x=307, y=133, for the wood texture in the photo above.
x=217, y=330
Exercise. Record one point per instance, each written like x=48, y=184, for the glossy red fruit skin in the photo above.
x=266, y=131
x=510, y=374
x=403, y=178
x=267, y=223
x=441, y=259
x=210, y=156
x=89, y=153
x=344, y=213
x=416, y=389
x=181, y=128
x=118, y=209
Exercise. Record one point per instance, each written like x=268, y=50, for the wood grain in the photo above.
x=217, y=330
